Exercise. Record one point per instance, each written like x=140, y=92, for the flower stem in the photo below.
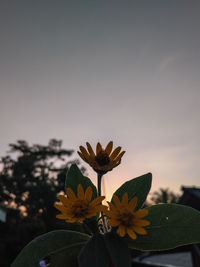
x=99, y=179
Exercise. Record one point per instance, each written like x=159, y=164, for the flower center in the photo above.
x=80, y=208
x=126, y=219
x=102, y=158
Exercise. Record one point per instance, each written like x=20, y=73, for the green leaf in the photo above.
x=172, y=225
x=47, y=244
x=118, y=250
x=138, y=187
x=75, y=177
x=66, y=258
x=94, y=254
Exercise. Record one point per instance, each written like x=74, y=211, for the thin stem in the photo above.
x=99, y=184
x=99, y=179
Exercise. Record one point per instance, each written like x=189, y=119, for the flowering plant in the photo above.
x=109, y=231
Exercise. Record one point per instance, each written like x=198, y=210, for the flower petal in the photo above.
x=84, y=152
x=125, y=199
x=101, y=208
x=116, y=201
x=115, y=153
x=141, y=222
x=70, y=194
x=141, y=213
x=133, y=203
x=80, y=192
x=118, y=158
x=91, y=152
x=114, y=222
x=109, y=147
x=88, y=193
x=98, y=148
x=121, y=230
x=64, y=200
x=131, y=233
x=96, y=201
x=81, y=155
x=139, y=230
x=60, y=207
x=62, y=216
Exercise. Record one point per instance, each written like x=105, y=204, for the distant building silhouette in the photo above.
x=190, y=197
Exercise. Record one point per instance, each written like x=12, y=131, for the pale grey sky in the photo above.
x=127, y=71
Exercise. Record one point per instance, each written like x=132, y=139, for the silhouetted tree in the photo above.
x=29, y=183
x=164, y=196
x=31, y=180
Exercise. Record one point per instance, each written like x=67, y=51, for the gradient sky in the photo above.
x=127, y=71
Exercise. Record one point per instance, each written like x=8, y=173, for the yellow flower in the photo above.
x=122, y=215
x=103, y=161
x=78, y=208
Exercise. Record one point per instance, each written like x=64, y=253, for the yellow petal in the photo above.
x=111, y=214
x=141, y=213
x=90, y=150
x=80, y=192
x=96, y=201
x=62, y=216
x=98, y=148
x=64, y=200
x=113, y=222
x=115, y=153
x=131, y=233
x=118, y=158
x=70, y=194
x=116, y=201
x=125, y=199
x=60, y=207
x=84, y=152
x=81, y=155
x=109, y=147
x=133, y=203
x=88, y=193
x=114, y=164
x=121, y=230
x=101, y=208
x=139, y=230
x=141, y=222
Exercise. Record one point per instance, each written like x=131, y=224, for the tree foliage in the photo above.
x=164, y=195
x=32, y=178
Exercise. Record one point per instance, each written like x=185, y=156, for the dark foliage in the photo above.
x=29, y=183
x=164, y=196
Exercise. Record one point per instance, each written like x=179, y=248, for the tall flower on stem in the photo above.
x=78, y=208
x=123, y=216
x=104, y=160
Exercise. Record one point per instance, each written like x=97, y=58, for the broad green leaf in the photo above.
x=172, y=225
x=66, y=258
x=138, y=187
x=118, y=250
x=75, y=177
x=47, y=244
x=94, y=254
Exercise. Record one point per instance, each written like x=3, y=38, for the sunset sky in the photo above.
x=127, y=71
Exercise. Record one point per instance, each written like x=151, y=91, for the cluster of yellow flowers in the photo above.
x=121, y=214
